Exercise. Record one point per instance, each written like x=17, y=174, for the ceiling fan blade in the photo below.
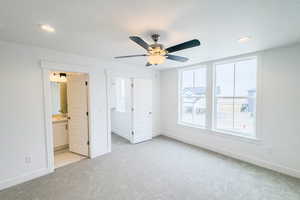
x=148, y=64
x=140, y=42
x=185, y=45
x=138, y=55
x=177, y=58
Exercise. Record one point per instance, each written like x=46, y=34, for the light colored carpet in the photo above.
x=160, y=169
x=118, y=142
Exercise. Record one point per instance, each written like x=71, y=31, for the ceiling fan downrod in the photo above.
x=155, y=37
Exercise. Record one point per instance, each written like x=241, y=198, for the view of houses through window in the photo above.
x=234, y=97
x=193, y=97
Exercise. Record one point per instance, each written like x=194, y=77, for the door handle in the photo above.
x=150, y=113
x=69, y=118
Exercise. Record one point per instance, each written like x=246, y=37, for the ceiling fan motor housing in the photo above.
x=155, y=37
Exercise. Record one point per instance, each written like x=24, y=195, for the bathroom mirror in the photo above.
x=59, y=98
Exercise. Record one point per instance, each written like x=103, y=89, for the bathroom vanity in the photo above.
x=60, y=132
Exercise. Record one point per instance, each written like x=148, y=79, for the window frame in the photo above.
x=180, y=97
x=253, y=135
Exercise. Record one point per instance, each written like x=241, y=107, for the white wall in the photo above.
x=22, y=116
x=22, y=125
x=278, y=121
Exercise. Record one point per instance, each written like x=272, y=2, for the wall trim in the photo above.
x=156, y=133
x=47, y=67
x=110, y=74
x=258, y=162
x=23, y=178
x=121, y=133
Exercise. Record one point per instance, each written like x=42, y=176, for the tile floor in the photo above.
x=65, y=157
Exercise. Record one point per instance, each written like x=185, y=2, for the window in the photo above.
x=193, y=97
x=235, y=97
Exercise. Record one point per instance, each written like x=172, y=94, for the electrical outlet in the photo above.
x=27, y=159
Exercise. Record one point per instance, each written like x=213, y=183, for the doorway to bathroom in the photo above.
x=70, y=117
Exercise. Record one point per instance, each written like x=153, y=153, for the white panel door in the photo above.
x=77, y=114
x=142, y=110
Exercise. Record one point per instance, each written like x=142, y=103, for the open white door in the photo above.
x=142, y=110
x=78, y=113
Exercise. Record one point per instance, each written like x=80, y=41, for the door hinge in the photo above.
x=87, y=113
x=86, y=83
x=88, y=143
x=132, y=132
x=132, y=109
x=132, y=85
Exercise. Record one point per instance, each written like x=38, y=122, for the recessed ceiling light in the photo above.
x=244, y=39
x=47, y=28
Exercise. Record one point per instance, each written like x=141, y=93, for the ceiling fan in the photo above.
x=156, y=52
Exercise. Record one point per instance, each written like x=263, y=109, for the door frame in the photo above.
x=48, y=67
x=109, y=75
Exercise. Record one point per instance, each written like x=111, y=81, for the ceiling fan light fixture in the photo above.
x=156, y=52
x=58, y=77
x=244, y=39
x=47, y=28
x=156, y=59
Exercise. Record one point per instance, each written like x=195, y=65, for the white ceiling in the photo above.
x=98, y=28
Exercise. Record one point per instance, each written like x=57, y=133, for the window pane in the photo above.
x=245, y=92
x=245, y=78
x=224, y=80
x=200, y=78
x=187, y=79
x=200, y=111
x=224, y=115
x=244, y=116
x=193, y=96
x=235, y=97
x=187, y=111
x=193, y=110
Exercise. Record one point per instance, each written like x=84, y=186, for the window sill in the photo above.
x=191, y=125
x=224, y=134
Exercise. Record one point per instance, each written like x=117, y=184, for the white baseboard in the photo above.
x=262, y=163
x=156, y=133
x=23, y=178
x=120, y=133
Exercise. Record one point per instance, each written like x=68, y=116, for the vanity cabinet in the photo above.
x=60, y=134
